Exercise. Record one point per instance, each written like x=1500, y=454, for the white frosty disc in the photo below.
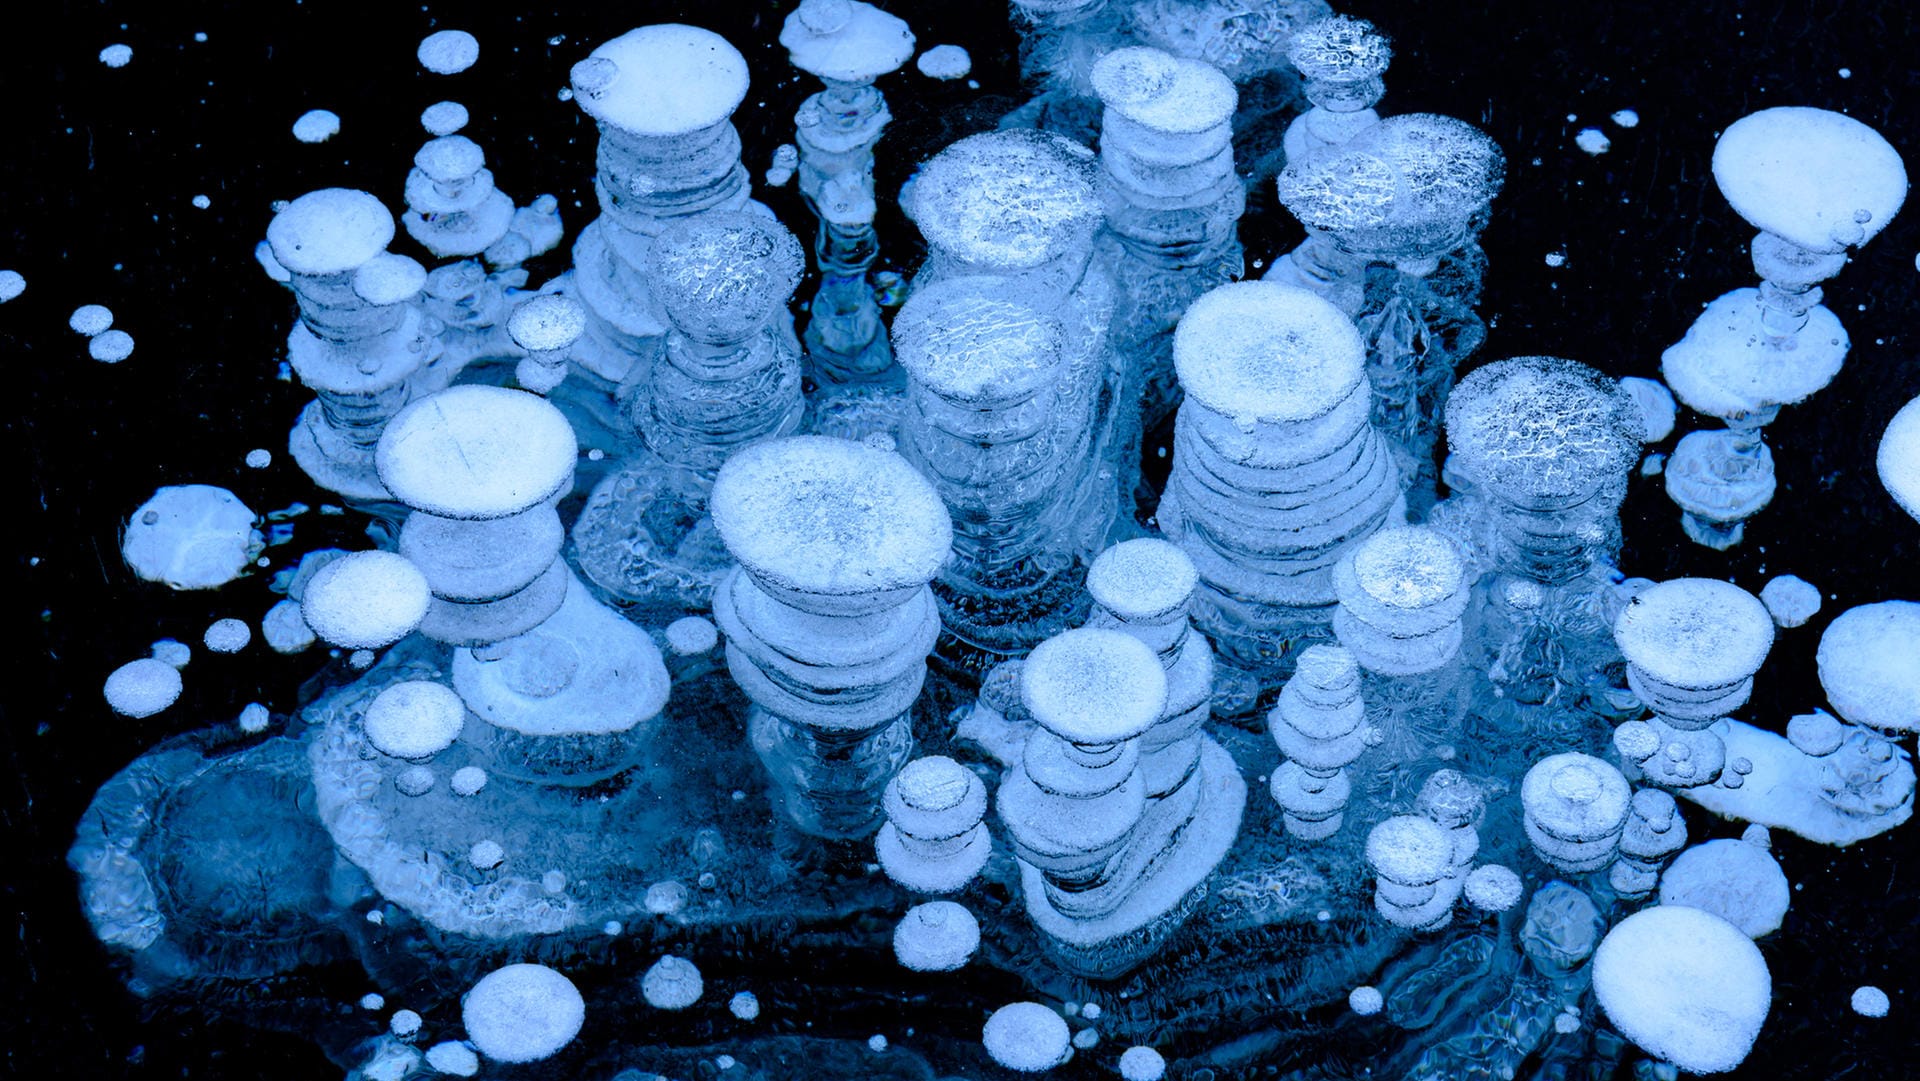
x=330, y=231
x=1575, y=797
x=1870, y=1001
x=143, y=688
x=1655, y=402
x=453, y=1058
x=1365, y=1001
x=1493, y=888
x=285, y=629
x=1144, y=579
x=174, y=652
x=547, y=322
x=443, y=117
x=1695, y=632
x=1093, y=685
x=522, y=1013
x=1163, y=92
x=1410, y=850
x=1028, y=1037
x=1867, y=665
x=1267, y=352
x=448, y=52
x=673, y=983
x=945, y=62
x=190, y=536
x=12, y=284
x=845, y=40
x=938, y=936
x=1739, y=882
x=111, y=347
x=666, y=79
x=1819, y=179
x=316, y=126
x=745, y=1005
x=1543, y=426
x=1899, y=458
x=227, y=636
x=389, y=279
x=690, y=636
x=366, y=600
x=1791, y=600
x=415, y=719
x=1007, y=199
x=116, y=56
x=476, y=452
x=1142, y=1064
x=1685, y=985
x=90, y=319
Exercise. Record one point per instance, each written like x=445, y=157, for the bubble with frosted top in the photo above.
x=1143, y=580
x=1163, y=92
x=1007, y=200
x=1684, y=985
x=1093, y=685
x=661, y=80
x=1267, y=352
x=944, y=62
x=1493, y=888
x=227, y=635
x=1790, y=599
x=1870, y=1001
x=673, y=983
x=330, y=231
x=366, y=600
x=443, y=118
x=1027, y=1037
x=522, y=1013
x=722, y=274
x=1366, y=1001
x=939, y=936
x=1867, y=668
x=468, y=781
x=1735, y=880
x=1339, y=48
x=91, y=319
x=1898, y=459
x=388, y=278
x=316, y=126
x=453, y=1058
x=191, y=536
x=1542, y=427
x=448, y=52
x=547, y=322
x=845, y=41
x=1657, y=408
x=1410, y=183
x=967, y=341
x=404, y=1024
x=116, y=56
x=1823, y=181
x=1409, y=849
x=476, y=453
x=142, y=688
x=414, y=719
x=1695, y=632
x=111, y=347
x=173, y=652
x=1142, y=1064
x=745, y=1005
x=285, y=629
x=830, y=516
x=691, y=635
x=12, y=284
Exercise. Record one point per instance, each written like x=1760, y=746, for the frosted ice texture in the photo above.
x=1898, y=459
x=1027, y=1037
x=191, y=536
x=1685, y=985
x=522, y=1013
x=1735, y=880
x=142, y=688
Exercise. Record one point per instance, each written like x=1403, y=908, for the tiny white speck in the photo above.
x=116, y=56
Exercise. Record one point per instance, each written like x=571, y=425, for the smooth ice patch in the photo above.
x=454, y=1059
x=522, y=1013
x=1685, y=985
x=1658, y=410
x=1739, y=882
x=448, y=52
x=316, y=126
x=191, y=536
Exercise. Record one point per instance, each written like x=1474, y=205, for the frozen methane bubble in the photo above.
x=174, y=652
x=1342, y=60
x=1692, y=647
x=1898, y=459
x=191, y=536
x=1142, y=1064
x=476, y=453
x=1320, y=725
x=1870, y=1001
x=486, y=855
x=690, y=636
x=1791, y=600
x=1027, y=1037
x=414, y=781
x=254, y=718
x=1493, y=888
x=414, y=719
x=939, y=936
x=1576, y=807
x=453, y=1058
x=366, y=600
x=1366, y=1001
x=111, y=347
x=1734, y=879
x=259, y=458
x=1007, y=200
x=666, y=898
x=468, y=781
x=745, y=1005
x=1816, y=178
x=404, y=1023
x=945, y=62
x=285, y=628
x=143, y=688
x=1866, y=662
x=934, y=839
x=522, y=1013
x=673, y=983
x=90, y=319
x=1412, y=857
x=1657, y=408
x=1402, y=593
x=227, y=636
x=1593, y=141
x=1655, y=830
x=1685, y=985
x=116, y=56
x=448, y=52
x=443, y=118
x=316, y=126
x=12, y=284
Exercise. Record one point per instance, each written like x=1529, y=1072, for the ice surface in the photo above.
x=1791, y=600
x=661, y=80
x=1340, y=49
x=285, y=628
x=1867, y=665
x=673, y=983
x=142, y=688
x=1027, y=1037
x=366, y=600
x=969, y=342
x=522, y=1013
x=176, y=653
x=938, y=936
x=192, y=536
x=476, y=452
x=1898, y=459
x=1821, y=180
x=1737, y=881
x=1144, y=580
x=745, y=1005
x=1405, y=188
x=723, y=274
x=1685, y=985
x=448, y=52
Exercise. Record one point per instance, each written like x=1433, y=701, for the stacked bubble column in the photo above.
x=1575, y=810
x=1654, y=833
x=1342, y=60
x=828, y=617
x=1022, y=208
x=729, y=376
x=1276, y=473
x=360, y=337
x=1320, y=726
x=984, y=387
x=1173, y=205
x=847, y=45
x=934, y=839
x=1692, y=647
x=1071, y=806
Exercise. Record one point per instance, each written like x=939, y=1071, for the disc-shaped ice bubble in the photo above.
x=90, y=319
x=1028, y=1037
x=1739, y=882
x=1410, y=850
x=1695, y=632
x=1163, y=92
x=116, y=56
x=174, y=652
x=1008, y=199
x=1685, y=985
x=227, y=636
x=12, y=284
x=547, y=322
x=1365, y=1001
x=1790, y=599
x=666, y=79
x=1405, y=569
x=967, y=342
x=443, y=117
x=1542, y=427
x=111, y=347
x=522, y=1013
x=830, y=516
x=330, y=231
x=1147, y=579
x=1868, y=667
x=1339, y=49
x=415, y=719
x=1575, y=797
x=1409, y=184
x=191, y=536
x=745, y=1005
x=945, y=62
x=1899, y=458
x=453, y=1058
x=1142, y=1064
x=1260, y=351
x=316, y=126
x=1093, y=685
x=143, y=688
x=939, y=936
x=1493, y=888
x=447, y=52
x=285, y=629
x=1655, y=402
x=389, y=279
x=1870, y=1001
x=450, y=158
x=845, y=40
x=722, y=274
x=1819, y=179
x=673, y=983
x=366, y=600
x=476, y=452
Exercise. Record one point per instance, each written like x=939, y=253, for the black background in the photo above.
x=99, y=167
